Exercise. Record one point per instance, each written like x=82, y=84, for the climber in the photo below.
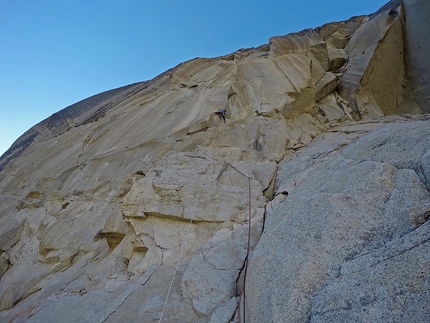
x=221, y=113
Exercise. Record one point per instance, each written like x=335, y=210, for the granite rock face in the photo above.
x=350, y=241
x=134, y=205
x=418, y=49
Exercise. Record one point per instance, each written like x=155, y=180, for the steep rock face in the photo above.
x=418, y=50
x=350, y=242
x=376, y=53
x=133, y=205
x=78, y=113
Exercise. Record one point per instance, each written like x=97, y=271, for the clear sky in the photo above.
x=54, y=53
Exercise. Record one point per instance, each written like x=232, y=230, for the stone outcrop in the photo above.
x=134, y=205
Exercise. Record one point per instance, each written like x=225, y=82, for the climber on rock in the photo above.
x=221, y=113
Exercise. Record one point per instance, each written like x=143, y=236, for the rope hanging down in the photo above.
x=243, y=294
x=180, y=257
x=248, y=247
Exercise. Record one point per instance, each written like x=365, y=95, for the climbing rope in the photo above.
x=171, y=282
x=248, y=248
x=180, y=255
x=243, y=294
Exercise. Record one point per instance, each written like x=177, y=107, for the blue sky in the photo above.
x=54, y=53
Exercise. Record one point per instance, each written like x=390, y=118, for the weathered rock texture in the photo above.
x=133, y=205
x=351, y=241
